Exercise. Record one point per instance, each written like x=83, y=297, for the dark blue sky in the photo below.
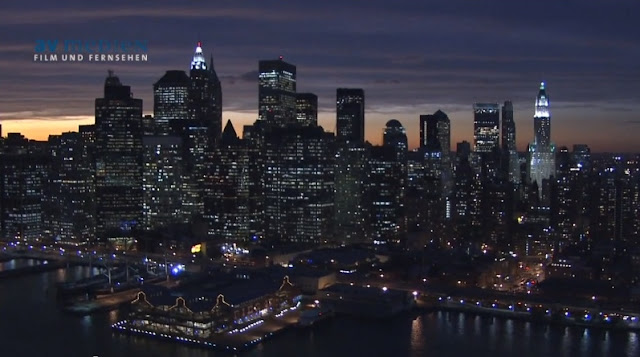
x=411, y=57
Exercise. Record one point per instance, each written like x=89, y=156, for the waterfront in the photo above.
x=32, y=325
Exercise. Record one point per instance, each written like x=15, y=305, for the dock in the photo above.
x=231, y=341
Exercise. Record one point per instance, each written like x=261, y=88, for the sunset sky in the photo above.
x=411, y=58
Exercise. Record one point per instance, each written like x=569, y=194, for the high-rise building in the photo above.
x=170, y=101
x=582, y=156
x=486, y=123
x=162, y=181
x=351, y=177
x=205, y=95
x=435, y=144
x=395, y=136
x=542, y=151
x=277, y=92
x=435, y=132
x=24, y=165
x=350, y=115
x=228, y=203
x=70, y=194
x=386, y=196
x=118, y=162
x=509, y=149
x=299, y=184
x=307, y=108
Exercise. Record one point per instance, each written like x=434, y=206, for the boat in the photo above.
x=315, y=314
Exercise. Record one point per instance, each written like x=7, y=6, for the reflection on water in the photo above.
x=20, y=263
x=27, y=312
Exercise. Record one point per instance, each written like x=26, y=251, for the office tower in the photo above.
x=70, y=193
x=563, y=208
x=299, y=184
x=509, y=149
x=435, y=132
x=307, y=108
x=277, y=92
x=350, y=115
x=541, y=152
x=582, y=156
x=386, y=196
x=24, y=165
x=118, y=157
x=205, y=95
x=170, y=101
x=486, y=123
x=227, y=205
x=351, y=173
x=395, y=136
x=254, y=138
x=435, y=143
x=162, y=182
x=615, y=198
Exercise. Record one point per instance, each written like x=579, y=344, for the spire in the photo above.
x=229, y=135
x=198, y=61
x=211, y=60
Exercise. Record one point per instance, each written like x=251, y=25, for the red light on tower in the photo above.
x=281, y=58
x=199, y=44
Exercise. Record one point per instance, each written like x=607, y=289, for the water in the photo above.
x=32, y=325
x=19, y=263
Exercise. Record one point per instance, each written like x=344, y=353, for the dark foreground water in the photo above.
x=32, y=325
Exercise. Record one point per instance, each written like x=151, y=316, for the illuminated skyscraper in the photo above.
x=395, y=136
x=277, y=92
x=170, y=101
x=541, y=152
x=205, y=95
x=70, y=193
x=509, y=149
x=23, y=166
x=118, y=162
x=307, y=108
x=350, y=115
x=386, y=196
x=227, y=204
x=486, y=123
x=298, y=184
x=435, y=144
x=162, y=181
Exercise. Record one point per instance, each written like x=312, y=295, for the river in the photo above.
x=31, y=325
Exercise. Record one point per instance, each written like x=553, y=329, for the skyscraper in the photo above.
x=162, y=181
x=307, y=108
x=70, y=193
x=170, y=101
x=277, y=92
x=205, y=95
x=118, y=161
x=435, y=132
x=395, y=136
x=385, y=196
x=509, y=149
x=298, y=184
x=24, y=179
x=227, y=205
x=350, y=115
x=542, y=151
x=351, y=215
x=486, y=123
x=435, y=144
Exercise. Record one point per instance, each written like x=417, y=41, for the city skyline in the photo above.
x=407, y=63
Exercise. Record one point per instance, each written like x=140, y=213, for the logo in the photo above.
x=91, y=51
